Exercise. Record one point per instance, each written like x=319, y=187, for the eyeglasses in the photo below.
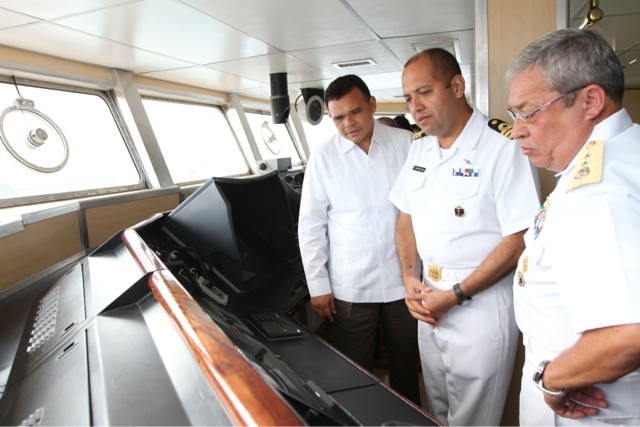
x=526, y=118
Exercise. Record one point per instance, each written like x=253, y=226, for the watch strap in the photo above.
x=462, y=298
x=537, y=379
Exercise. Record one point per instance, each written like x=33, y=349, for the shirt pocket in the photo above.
x=417, y=197
x=463, y=200
x=348, y=266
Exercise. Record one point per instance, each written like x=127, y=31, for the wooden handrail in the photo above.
x=144, y=256
x=247, y=398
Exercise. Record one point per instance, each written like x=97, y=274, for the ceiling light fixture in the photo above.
x=594, y=14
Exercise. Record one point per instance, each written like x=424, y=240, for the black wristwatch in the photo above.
x=462, y=298
x=537, y=378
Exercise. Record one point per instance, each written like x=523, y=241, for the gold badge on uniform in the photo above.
x=525, y=264
x=588, y=169
x=458, y=211
x=435, y=272
x=520, y=278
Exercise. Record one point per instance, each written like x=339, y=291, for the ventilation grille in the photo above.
x=44, y=324
x=351, y=64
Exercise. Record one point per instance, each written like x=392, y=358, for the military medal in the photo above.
x=520, y=278
x=458, y=211
x=539, y=219
x=525, y=264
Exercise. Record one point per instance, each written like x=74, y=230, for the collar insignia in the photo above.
x=588, y=169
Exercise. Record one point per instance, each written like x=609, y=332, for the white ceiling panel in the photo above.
x=400, y=18
x=288, y=25
x=11, y=19
x=51, y=9
x=63, y=42
x=401, y=46
x=170, y=28
x=258, y=68
x=208, y=78
x=323, y=58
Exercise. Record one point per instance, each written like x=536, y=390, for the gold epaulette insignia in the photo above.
x=419, y=135
x=501, y=127
x=588, y=169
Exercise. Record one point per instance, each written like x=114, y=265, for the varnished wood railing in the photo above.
x=247, y=398
x=144, y=256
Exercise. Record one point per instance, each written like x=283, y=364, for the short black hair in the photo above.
x=343, y=85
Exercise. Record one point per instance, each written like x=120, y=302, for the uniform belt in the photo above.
x=437, y=273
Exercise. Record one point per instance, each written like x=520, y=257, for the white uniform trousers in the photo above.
x=622, y=395
x=467, y=360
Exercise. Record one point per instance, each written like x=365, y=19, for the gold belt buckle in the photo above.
x=435, y=272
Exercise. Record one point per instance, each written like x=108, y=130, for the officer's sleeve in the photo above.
x=598, y=253
x=312, y=230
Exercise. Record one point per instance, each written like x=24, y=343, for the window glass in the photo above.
x=37, y=162
x=196, y=140
x=319, y=133
x=273, y=140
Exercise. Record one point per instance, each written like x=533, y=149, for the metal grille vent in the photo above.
x=358, y=63
x=44, y=324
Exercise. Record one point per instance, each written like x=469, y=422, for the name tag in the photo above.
x=419, y=168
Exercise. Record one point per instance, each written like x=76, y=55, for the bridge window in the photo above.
x=273, y=140
x=61, y=143
x=196, y=140
x=319, y=133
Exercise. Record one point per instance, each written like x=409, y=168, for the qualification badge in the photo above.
x=458, y=211
x=525, y=264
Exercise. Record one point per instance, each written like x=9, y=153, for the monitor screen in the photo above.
x=241, y=228
x=204, y=222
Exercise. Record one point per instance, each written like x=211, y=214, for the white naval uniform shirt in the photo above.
x=347, y=225
x=483, y=173
x=583, y=270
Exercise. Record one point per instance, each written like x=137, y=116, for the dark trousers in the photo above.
x=353, y=332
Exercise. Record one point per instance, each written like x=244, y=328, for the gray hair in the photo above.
x=571, y=59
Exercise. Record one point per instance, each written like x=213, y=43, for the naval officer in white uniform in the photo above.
x=465, y=195
x=577, y=286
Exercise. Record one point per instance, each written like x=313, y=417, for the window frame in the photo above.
x=161, y=98
x=108, y=96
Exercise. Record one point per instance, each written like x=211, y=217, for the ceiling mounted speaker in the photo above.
x=312, y=111
x=279, y=98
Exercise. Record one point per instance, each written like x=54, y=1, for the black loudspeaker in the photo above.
x=279, y=98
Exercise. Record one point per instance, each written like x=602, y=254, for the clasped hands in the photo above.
x=425, y=303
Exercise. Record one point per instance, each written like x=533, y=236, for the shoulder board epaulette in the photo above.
x=419, y=135
x=588, y=169
x=501, y=127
